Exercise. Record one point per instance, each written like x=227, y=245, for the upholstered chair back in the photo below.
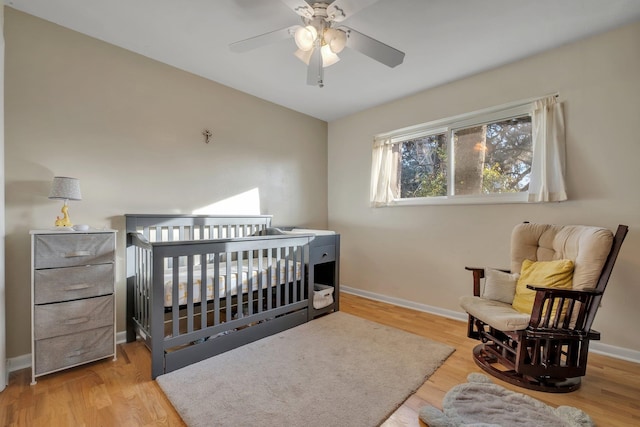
x=588, y=248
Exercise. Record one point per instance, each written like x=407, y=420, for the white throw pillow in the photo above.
x=499, y=286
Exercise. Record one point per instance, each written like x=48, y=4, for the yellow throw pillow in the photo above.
x=550, y=274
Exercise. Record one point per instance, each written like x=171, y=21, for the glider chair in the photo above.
x=535, y=320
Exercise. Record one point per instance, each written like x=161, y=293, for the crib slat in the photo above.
x=287, y=276
x=204, y=300
x=190, y=295
x=146, y=289
x=227, y=288
x=301, y=273
x=269, y=267
x=250, y=282
x=239, y=285
x=294, y=279
x=275, y=280
x=175, y=306
x=216, y=289
x=260, y=283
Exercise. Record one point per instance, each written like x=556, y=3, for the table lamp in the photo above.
x=65, y=188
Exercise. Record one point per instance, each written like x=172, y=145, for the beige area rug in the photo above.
x=338, y=370
x=479, y=402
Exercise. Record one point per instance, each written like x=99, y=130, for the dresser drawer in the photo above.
x=320, y=254
x=63, y=318
x=69, y=350
x=64, y=284
x=68, y=250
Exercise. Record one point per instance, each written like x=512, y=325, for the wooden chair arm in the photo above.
x=481, y=270
x=565, y=293
x=478, y=273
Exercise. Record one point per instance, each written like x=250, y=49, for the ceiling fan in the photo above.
x=319, y=39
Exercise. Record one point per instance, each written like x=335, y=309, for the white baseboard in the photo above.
x=19, y=362
x=614, y=351
x=24, y=361
x=595, y=347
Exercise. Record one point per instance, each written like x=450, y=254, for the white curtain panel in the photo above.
x=384, y=173
x=548, y=163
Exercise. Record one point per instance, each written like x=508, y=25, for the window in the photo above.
x=423, y=167
x=482, y=157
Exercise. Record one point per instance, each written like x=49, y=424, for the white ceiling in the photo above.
x=444, y=40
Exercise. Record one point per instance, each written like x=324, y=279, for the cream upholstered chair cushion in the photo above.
x=498, y=314
x=588, y=248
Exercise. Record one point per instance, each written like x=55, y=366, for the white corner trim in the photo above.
x=24, y=361
x=19, y=362
x=595, y=347
x=121, y=337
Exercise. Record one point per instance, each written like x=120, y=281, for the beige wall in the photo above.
x=130, y=129
x=418, y=253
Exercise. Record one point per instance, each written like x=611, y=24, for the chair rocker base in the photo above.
x=488, y=362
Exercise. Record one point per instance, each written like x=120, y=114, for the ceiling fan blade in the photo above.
x=340, y=10
x=315, y=72
x=373, y=48
x=263, y=39
x=300, y=7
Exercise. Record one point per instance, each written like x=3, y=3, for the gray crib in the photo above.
x=201, y=285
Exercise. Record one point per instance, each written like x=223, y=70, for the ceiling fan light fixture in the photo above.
x=328, y=57
x=335, y=39
x=305, y=37
x=303, y=55
x=319, y=42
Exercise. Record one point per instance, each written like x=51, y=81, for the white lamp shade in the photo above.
x=65, y=188
x=328, y=57
x=335, y=39
x=305, y=37
x=304, y=55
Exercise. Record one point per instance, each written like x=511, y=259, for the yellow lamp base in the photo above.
x=65, y=221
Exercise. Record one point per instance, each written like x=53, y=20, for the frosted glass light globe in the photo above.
x=335, y=39
x=305, y=37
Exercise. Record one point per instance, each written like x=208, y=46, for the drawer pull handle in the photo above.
x=324, y=255
x=77, y=254
x=77, y=353
x=77, y=287
x=76, y=320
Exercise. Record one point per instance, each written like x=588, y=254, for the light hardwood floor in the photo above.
x=121, y=393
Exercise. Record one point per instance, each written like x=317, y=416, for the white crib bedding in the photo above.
x=232, y=281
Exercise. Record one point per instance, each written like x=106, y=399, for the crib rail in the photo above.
x=161, y=228
x=217, y=288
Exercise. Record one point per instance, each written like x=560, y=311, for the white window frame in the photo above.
x=448, y=126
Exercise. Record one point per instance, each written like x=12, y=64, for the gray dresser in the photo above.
x=72, y=298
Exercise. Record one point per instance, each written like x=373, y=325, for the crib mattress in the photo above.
x=237, y=282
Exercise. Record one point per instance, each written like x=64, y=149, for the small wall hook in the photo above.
x=207, y=135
